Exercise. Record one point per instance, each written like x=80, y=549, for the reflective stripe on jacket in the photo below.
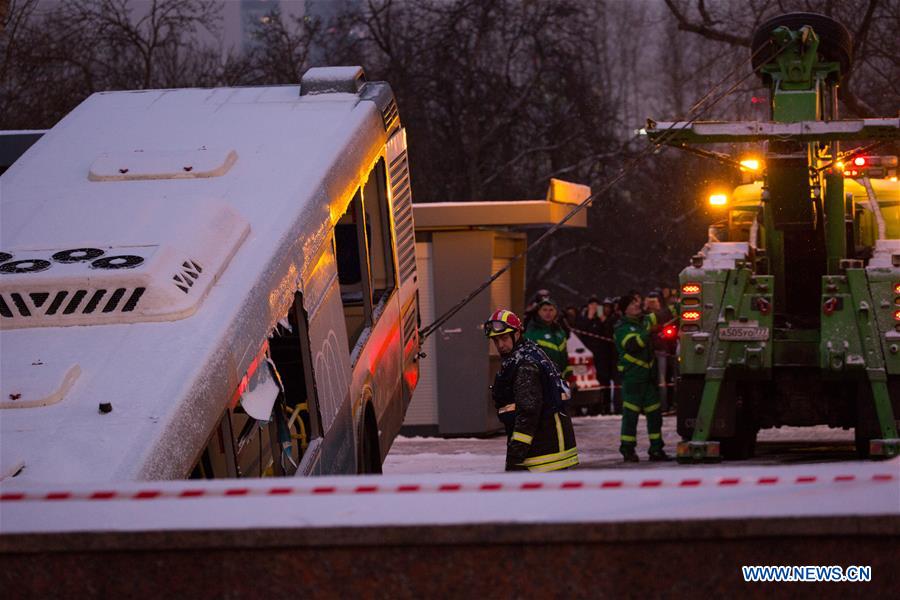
x=635, y=347
x=543, y=438
x=552, y=340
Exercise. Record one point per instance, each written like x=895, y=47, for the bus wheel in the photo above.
x=369, y=459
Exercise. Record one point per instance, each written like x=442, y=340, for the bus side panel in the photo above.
x=405, y=243
x=337, y=454
x=331, y=368
x=379, y=368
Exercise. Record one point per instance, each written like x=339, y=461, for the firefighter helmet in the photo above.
x=502, y=321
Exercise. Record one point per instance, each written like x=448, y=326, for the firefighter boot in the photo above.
x=629, y=455
x=658, y=455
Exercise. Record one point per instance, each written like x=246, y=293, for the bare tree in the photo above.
x=53, y=59
x=497, y=95
x=870, y=90
x=282, y=48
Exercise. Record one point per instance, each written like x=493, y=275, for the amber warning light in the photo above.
x=897, y=315
x=689, y=289
x=750, y=164
x=897, y=289
x=694, y=315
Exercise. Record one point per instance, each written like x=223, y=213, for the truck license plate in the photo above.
x=749, y=334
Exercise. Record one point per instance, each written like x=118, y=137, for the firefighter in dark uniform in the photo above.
x=542, y=437
x=639, y=388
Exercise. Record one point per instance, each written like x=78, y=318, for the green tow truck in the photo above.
x=791, y=312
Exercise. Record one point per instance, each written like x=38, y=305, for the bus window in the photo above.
x=353, y=269
x=253, y=444
x=244, y=446
x=378, y=228
x=298, y=421
x=217, y=459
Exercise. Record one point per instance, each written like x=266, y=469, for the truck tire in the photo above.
x=743, y=444
x=687, y=392
x=835, y=43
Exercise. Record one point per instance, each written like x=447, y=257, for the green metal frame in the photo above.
x=849, y=342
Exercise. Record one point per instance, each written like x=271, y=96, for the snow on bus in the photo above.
x=209, y=283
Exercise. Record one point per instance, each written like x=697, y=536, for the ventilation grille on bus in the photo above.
x=409, y=325
x=69, y=302
x=390, y=115
x=403, y=216
x=190, y=273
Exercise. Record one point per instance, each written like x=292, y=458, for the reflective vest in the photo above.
x=635, y=347
x=552, y=340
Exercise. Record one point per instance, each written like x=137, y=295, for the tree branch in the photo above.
x=704, y=30
x=862, y=32
x=857, y=105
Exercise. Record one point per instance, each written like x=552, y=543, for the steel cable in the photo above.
x=433, y=326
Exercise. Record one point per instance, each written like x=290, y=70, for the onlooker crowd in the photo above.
x=594, y=323
x=633, y=340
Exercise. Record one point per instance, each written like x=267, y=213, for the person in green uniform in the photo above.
x=546, y=331
x=639, y=388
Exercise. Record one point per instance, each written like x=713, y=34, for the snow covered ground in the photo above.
x=598, y=448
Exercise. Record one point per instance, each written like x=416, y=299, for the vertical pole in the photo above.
x=835, y=232
x=775, y=252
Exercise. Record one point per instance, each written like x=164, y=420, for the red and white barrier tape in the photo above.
x=319, y=490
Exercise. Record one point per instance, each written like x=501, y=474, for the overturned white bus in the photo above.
x=209, y=283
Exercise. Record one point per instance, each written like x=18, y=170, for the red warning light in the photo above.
x=897, y=289
x=692, y=288
x=897, y=315
x=694, y=315
x=859, y=161
x=669, y=332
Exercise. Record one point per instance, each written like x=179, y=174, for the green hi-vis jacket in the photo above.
x=552, y=340
x=635, y=347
